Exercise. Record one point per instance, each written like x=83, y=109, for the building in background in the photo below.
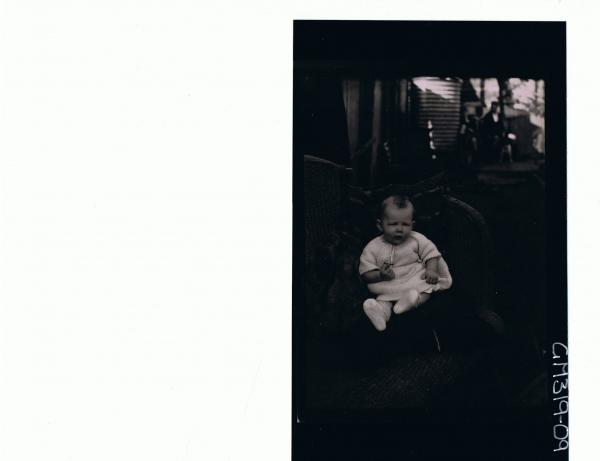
x=411, y=127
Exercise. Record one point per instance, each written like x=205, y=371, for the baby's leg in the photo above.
x=379, y=312
x=410, y=300
x=423, y=297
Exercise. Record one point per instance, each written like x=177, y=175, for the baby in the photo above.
x=400, y=267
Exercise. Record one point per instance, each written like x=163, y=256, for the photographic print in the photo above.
x=430, y=296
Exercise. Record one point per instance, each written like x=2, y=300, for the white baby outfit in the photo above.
x=407, y=260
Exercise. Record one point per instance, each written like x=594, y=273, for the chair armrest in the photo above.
x=468, y=251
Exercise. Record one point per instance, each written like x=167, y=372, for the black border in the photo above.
x=410, y=48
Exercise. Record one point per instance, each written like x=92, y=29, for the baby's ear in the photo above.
x=379, y=226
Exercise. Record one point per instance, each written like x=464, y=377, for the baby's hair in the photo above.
x=400, y=201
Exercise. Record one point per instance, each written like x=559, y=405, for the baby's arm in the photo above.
x=369, y=269
x=432, y=270
x=429, y=253
x=378, y=275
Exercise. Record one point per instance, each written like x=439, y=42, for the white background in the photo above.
x=146, y=222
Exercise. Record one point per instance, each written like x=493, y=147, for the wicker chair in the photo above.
x=331, y=205
x=338, y=221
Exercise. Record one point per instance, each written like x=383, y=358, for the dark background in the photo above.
x=524, y=231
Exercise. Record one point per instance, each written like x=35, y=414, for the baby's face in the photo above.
x=396, y=224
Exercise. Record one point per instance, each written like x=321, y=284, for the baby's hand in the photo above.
x=431, y=276
x=386, y=273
